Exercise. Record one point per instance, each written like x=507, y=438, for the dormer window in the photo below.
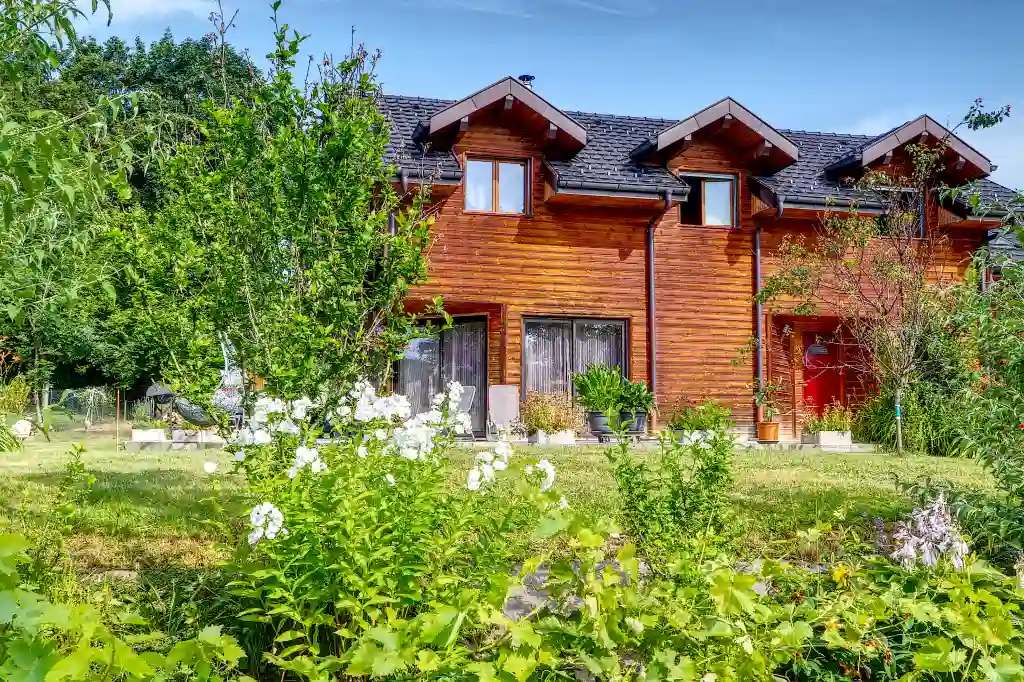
x=496, y=186
x=712, y=201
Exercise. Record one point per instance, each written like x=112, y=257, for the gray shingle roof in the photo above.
x=611, y=139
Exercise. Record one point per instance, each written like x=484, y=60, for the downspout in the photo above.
x=759, y=308
x=652, y=325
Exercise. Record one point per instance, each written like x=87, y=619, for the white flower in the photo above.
x=362, y=451
x=380, y=434
x=343, y=412
x=502, y=448
x=390, y=479
x=264, y=408
x=267, y=522
x=499, y=465
x=463, y=423
x=261, y=437
x=240, y=456
x=242, y=437
x=300, y=407
x=563, y=503
x=474, y=479
x=306, y=457
x=485, y=457
x=634, y=625
x=210, y=467
x=488, y=472
x=548, y=469
x=289, y=427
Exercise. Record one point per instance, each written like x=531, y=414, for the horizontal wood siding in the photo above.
x=563, y=261
x=705, y=285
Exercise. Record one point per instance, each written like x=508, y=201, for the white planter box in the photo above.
x=841, y=441
x=694, y=437
x=148, y=435
x=558, y=438
x=188, y=436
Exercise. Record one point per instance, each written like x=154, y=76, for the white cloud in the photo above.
x=1004, y=144
x=141, y=10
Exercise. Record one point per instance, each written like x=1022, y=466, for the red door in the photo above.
x=823, y=373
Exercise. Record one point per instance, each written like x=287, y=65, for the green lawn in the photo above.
x=148, y=509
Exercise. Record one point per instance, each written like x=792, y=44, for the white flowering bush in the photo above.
x=364, y=535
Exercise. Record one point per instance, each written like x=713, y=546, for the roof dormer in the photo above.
x=963, y=163
x=516, y=101
x=730, y=121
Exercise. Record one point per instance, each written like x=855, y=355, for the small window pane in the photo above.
x=548, y=360
x=479, y=186
x=718, y=202
x=511, y=188
x=598, y=343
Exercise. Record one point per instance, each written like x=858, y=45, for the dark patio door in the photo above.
x=458, y=353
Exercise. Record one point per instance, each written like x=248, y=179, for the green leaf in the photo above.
x=940, y=655
x=28, y=660
x=731, y=592
x=289, y=635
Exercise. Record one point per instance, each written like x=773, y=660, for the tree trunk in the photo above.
x=899, y=418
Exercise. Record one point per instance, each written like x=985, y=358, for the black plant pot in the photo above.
x=598, y=423
x=635, y=422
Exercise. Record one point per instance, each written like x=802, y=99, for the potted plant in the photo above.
x=635, y=403
x=551, y=419
x=697, y=423
x=767, y=413
x=832, y=430
x=599, y=390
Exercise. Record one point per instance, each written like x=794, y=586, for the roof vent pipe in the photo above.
x=527, y=80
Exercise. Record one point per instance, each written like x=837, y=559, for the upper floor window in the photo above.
x=712, y=201
x=494, y=186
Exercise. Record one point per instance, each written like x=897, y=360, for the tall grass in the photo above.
x=934, y=423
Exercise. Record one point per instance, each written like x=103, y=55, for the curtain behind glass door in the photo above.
x=597, y=342
x=464, y=359
x=419, y=373
x=547, y=356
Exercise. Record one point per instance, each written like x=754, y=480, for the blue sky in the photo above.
x=833, y=65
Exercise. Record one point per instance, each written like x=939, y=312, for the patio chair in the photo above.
x=503, y=408
x=466, y=405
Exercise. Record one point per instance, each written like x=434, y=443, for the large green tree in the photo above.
x=275, y=232
x=60, y=172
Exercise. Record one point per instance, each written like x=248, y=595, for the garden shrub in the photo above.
x=834, y=417
x=551, y=413
x=707, y=415
x=934, y=422
x=679, y=493
x=40, y=640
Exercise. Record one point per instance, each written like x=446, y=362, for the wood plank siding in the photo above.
x=586, y=257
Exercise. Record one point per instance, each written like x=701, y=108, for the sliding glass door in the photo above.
x=458, y=353
x=555, y=349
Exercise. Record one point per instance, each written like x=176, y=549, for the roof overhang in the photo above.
x=509, y=92
x=774, y=150
x=962, y=160
x=560, y=191
x=766, y=202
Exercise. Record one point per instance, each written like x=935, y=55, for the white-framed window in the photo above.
x=496, y=186
x=712, y=201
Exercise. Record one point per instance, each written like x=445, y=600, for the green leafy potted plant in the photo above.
x=767, y=413
x=551, y=418
x=832, y=430
x=635, y=403
x=599, y=390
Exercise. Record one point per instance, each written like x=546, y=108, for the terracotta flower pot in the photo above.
x=768, y=432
